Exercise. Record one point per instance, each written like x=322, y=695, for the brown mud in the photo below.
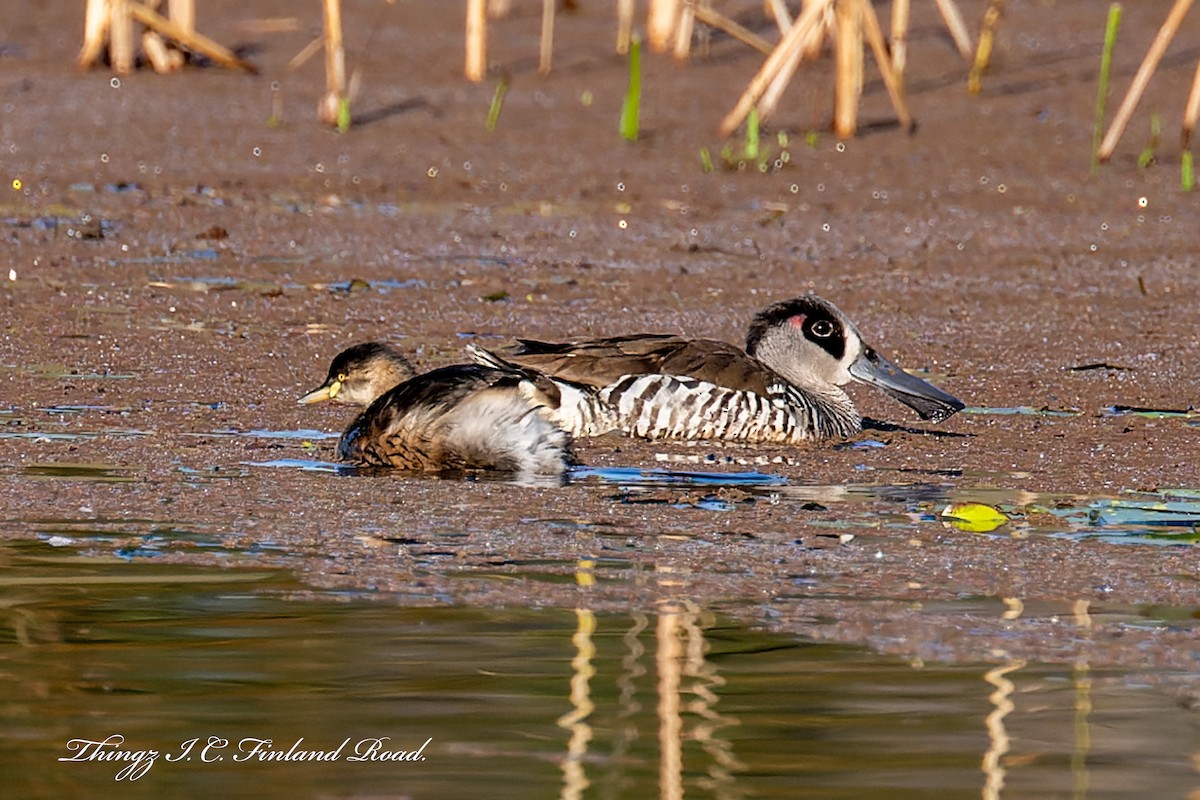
x=182, y=271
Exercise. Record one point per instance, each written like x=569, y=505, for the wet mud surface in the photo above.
x=178, y=272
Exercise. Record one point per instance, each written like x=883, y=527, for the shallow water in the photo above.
x=665, y=699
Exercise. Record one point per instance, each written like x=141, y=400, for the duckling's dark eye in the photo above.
x=822, y=328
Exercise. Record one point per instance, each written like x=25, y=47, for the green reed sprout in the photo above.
x=633, y=98
x=1110, y=40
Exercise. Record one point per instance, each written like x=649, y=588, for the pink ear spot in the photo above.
x=796, y=321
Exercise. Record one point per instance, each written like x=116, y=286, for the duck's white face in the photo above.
x=812, y=344
x=360, y=374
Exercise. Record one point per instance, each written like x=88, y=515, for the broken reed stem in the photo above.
x=848, y=58
x=157, y=53
x=1142, y=78
x=546, y=53
x=120, y=36
x=334, y=106
x=660, y=24
x=1187, y=175
x=957, y=28
x=983, y=53
x=624, y=25
x=476, y=55
x=1110, y=41
x=684, y=27
x=772, y=66
x=1191, y=113
x=900, y=17
x=714, y=19
x=95, y=26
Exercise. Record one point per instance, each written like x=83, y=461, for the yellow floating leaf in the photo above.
x=974, y=517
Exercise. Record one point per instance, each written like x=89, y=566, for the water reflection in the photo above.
x=666, y=699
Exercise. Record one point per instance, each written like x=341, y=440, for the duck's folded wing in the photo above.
x=600, y=362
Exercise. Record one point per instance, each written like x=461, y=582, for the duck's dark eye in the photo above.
x=822, y=328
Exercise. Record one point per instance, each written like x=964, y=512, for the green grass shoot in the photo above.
x=1110, y=40
x=497, y=104
x=633, y=98
x=1187, y=175
x=343, y=117
x=706, y=162
x=1149, y=153
x=751, y=150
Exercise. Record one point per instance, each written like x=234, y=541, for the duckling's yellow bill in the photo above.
x=927, y=400
x=326, y=391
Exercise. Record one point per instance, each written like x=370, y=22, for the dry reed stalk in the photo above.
x=810, y=48
x=684, y=29
x=772, y=66
x=1146, y=71
x=95, y=29
x=900, y=17
x=157, y=53
x=661, y=23
x=1192, y=113
x=777, y=10
x=816, y=37
x=891, y=79
x=476, y=61
x=957, y=28
x=715, y=19
x=308, y=51
x=193, y=41
x=120, y=36
x=770, y=98
x=546, y=52
x=848, y=58
x=183, y=14
x=983, y=55
x=330, y=108
x=624, y=25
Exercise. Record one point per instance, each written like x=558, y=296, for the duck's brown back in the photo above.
x=600, y=362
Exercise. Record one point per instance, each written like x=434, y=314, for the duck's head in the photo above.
x=361, y=373
x=808, y=341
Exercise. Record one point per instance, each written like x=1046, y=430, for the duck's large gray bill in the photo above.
x=927, y=400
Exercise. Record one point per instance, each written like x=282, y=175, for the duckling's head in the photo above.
x=813, y=345
x=361, y=373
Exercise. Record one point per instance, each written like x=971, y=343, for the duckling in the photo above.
x=785, y=387
x=461, y=417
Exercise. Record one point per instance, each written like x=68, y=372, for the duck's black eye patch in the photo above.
x=822, y=328
x=826, y=333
